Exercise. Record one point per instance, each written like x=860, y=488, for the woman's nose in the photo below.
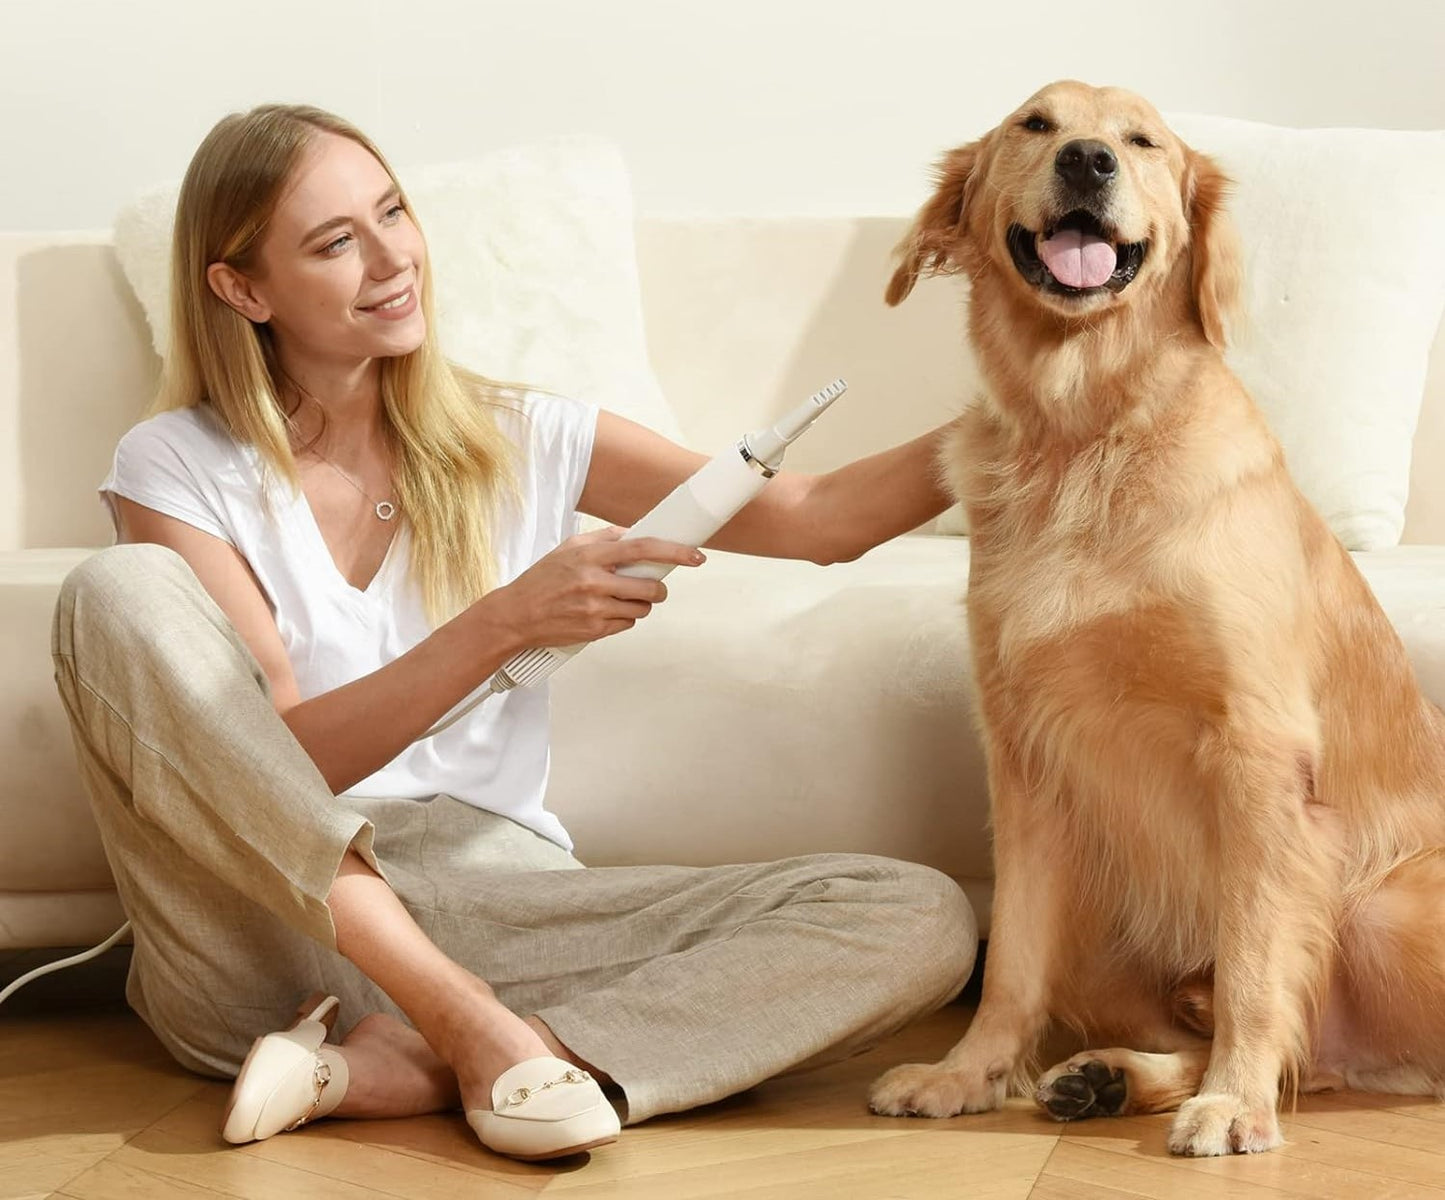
x=390, y=255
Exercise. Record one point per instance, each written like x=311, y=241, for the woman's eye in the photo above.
x=1036, y=124
x=337, y=246
x=394, y=212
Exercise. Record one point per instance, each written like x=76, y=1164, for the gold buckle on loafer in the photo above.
x=522, y=1094
x=320, y=1076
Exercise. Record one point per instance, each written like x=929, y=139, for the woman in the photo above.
x=331, y=537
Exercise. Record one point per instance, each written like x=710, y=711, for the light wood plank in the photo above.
x=428, y=1156
x=1367, y=1142
x=402, y=1175
x=72, y=1091
x=39, y=1174
x=902, y=1167
x=233, y=1172
x=1304, y=1166
x=37, y=1045
x=730, y=1142
x=37, y=1137
x=1051, y=1188
x=446, y=1143
x=113, y=1180
x=1153, y=1176
x=98, y=1097
x=1389, y=1120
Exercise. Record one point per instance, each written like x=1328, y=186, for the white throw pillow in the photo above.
x=1343, y=244
x=534, y=265
x=1343, y=241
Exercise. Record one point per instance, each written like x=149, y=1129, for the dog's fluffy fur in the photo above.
x=1218, y=794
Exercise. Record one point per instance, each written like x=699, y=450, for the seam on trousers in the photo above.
x=175, y=771
x=320, y=970
x=421, y=862
x=116, y=713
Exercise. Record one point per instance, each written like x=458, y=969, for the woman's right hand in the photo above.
x=574, y=594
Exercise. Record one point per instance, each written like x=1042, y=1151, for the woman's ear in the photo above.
x=1216, y=268
x=930, y=245
x=237, y=290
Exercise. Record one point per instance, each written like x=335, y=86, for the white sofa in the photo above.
x=767, y=709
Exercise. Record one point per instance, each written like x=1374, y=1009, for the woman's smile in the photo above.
x=395, y=308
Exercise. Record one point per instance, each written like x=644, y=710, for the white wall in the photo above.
x=725, y=106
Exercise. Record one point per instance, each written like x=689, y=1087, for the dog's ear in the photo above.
x=1216, y=271
x=929, y=246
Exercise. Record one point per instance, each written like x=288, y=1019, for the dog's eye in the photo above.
x=1037, y=124
x=1142, y=141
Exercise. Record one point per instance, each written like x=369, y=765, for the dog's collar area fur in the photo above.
x=1023, y=247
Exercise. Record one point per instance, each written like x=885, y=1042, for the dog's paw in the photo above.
x=933, y=1090
x=1083, y=1087
x=1215, y=1124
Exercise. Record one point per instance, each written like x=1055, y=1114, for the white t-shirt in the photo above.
x=186, y=465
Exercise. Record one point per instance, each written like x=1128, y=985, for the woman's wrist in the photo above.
x=494, y=628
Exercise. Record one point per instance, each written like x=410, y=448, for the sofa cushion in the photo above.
x=534, y=261
x=775, y=707
x=1409, y=582
x=1343, y=243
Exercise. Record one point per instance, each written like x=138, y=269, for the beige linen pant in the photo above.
x=683, y=984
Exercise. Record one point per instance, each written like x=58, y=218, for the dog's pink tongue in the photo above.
x=1078, y=259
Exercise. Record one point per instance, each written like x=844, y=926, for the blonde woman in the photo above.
x=330, y=536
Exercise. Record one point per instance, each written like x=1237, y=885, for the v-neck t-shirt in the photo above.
x=185, y=464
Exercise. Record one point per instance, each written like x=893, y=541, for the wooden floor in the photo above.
x=92, y=1108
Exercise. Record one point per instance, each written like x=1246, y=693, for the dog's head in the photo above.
x=1081, y=202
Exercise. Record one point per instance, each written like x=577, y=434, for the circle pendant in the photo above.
x=385, y=510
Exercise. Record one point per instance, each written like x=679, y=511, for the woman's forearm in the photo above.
x=355, y=730
x=867, y=502
x=836, y=517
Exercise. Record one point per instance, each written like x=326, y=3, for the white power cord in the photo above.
x=62, y=963
x=490, y=688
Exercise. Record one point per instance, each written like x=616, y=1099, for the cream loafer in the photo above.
x=545, y=1108
x=289, y=1078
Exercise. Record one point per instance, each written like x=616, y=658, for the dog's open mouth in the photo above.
x=1075, y=257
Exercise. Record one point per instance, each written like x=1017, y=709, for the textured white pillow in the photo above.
x=533, y=260
x=1343, y=242
x=1343, y=246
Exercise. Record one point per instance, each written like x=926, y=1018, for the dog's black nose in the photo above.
x=1085, y=165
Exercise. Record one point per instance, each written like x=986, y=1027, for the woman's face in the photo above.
x=339, y=270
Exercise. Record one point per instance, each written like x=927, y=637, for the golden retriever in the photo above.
x=1217, y=792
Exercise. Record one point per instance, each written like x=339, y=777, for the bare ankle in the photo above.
x=478, y=1025
x=393, y=1072
x=557, y=1049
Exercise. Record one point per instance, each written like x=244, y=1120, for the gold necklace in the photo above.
x=384, y=509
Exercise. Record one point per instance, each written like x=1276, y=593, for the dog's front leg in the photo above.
x=1273, y=944
x=1024, y=947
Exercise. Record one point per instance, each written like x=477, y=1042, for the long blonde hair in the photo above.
x=453, y=466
